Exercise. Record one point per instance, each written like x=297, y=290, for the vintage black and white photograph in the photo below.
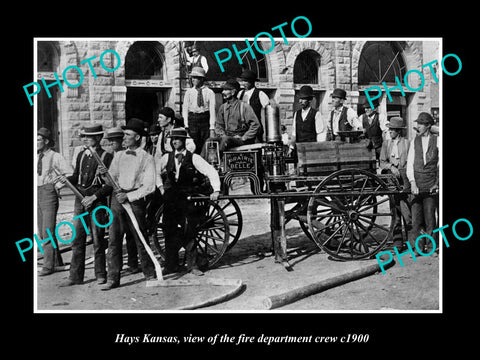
x=205, y=175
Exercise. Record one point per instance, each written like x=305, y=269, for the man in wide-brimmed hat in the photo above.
x=88, y=180
x=374, y=126
x=256, y=98
x=423, y=173
x=308, y=125
x=393, y=159
x=342, y=118
x=47, y=197
x=198, y=109
x=236, y=123
x=133, y=169
x=183, y=174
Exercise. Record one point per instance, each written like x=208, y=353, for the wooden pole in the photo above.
x=291, y=296
x=71, y=186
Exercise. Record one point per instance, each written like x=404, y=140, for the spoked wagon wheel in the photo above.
x=235, y=220
x=212, y=234
x=353, y=223
x=159, y=237
x=298, y=212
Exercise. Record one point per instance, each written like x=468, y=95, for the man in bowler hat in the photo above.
x=256, y=98
x=393, y=160
x=342, y=118
x=374, y=126
x=133, y=170
x=308, y=125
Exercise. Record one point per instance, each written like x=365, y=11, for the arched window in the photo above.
x=381, y=61
x=144, y=60
x=47, y=64
x=233, y=68
x=305, y=68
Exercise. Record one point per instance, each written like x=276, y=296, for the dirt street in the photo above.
x=415, y=286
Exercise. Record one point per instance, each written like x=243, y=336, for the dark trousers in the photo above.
x=180, y=220
x=47, y=208
x=77, y=263
x=199, y=129
x=121, y=220
x=424, y=208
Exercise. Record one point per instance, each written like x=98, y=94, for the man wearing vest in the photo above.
x=47, y=197
x=87, y=179
x=423, y=174
x=308, y=125
x=236, y=123
x=115, y=137
x=393, y=160
x=374, y=126
x=133, y=170
x=182, y=174
x=256, y=98
x=342, y=118
x=195, y=59
x=199, y=109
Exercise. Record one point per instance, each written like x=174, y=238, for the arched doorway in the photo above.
x=144, y=79
x=306, y=70
x=47, y=111
x=379, y=62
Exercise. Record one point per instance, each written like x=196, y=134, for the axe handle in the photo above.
x=77, y=193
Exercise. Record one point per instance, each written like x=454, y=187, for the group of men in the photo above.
x=168, y=166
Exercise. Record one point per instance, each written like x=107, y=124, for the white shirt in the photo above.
x=351, y=118
x=264, y=99
x=50, y=160
x=200, y=164
x=411, y=156
x=320, y=125
x=134, y=172
x=194, y=59
x=190, y=104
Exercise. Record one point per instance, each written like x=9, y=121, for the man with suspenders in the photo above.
x=87, y=179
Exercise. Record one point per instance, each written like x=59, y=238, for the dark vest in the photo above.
x=343, y=124
x=426, y=175
x=256, y=105
x=373, y=130
x=190, y=180
x=305, y=129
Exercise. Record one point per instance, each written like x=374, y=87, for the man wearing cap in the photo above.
x=194, y=58
x=47, y=197
x=423, y=174
x=308, y=125
x=374, y=126
x=236, y=123
x=88, y=180
x=115, y=137
x=167, y=121
x=256, y=98
x=393, y=159
x=133, y=169
x=342, y=118
x=182, y=174
x=199, y=109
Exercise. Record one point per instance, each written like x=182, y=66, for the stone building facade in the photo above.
x=152, y=74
